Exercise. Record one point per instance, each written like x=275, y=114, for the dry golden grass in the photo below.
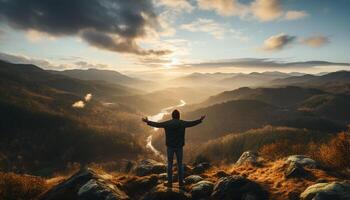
x=21, y=187
x=271, y=177
x=333, y=155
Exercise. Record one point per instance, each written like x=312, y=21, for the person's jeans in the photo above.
x=179, y=154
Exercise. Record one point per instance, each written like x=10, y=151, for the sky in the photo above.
x=177, y=36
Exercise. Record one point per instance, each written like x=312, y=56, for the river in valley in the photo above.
x=156, y=118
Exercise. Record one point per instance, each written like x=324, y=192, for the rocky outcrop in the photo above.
x=163, y=193
x=302, y=160
x=248, y=157
x=327, y=191
x=85, y=185
x=238, y=188
x=136, y=186
x=201, y=168
x=148, y=167
x=193, y=179
x=295, y=170
x=97, y=190
x=202, y=189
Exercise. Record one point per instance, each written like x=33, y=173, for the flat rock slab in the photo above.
x=327, y=191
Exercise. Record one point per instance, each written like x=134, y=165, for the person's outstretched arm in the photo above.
x=153, y=124
x=194, y=123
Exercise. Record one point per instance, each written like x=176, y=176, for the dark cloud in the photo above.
x=107, y=24
x=102, y=40
x=265, y=63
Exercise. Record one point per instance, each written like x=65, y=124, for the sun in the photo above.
x=173, y=62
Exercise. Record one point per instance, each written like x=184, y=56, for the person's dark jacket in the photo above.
x=174, y=130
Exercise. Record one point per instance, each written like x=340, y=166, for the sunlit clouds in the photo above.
x=205, y=25
x=262, y=10
x=316, y=41
x=282, y=40
x=133, y=36
x=294, y=15
x=224, y=7
x=278, y=42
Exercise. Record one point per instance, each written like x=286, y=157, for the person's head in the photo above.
x=175, y=114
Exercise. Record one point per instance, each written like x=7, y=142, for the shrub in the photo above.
x=333, y=154
x=281, y=149
x=336, y=153
x=229, y=148
x=21, y=187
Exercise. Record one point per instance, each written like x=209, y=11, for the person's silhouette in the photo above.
x=175, y=140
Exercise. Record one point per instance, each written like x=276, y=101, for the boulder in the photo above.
x=326, y=191
x=97, y=190
x=84, y=184
x=237, y=188
x=248, y=157
x=302, y=160
x=163, y=193
x=221, y=174
x=140, y=185
x=193, y=179
x=201, y=168
x=295, y=170
x=202, y=189
x=149, y=166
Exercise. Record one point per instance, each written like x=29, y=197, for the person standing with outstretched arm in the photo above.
x=175, y=140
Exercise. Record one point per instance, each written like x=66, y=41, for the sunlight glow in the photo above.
x=174, y=62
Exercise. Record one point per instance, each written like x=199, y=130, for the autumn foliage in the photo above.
x=333, y=154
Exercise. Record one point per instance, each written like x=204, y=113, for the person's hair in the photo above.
x=175, y=114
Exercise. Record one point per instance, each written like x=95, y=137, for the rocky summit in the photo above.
x=286, y=179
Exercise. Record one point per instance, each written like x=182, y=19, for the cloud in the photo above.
x=282, y=40
x=105, y=24
x=278, y=42
x=266, y=10
x=264, y=63
x=294, y=15
x=205, y=25
x=122, y=45
x=315, y=41
x=262, y=10
x=179, y=5
x=88, y=97
x=36, y=36
x=224, y=7
x=78, y=104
